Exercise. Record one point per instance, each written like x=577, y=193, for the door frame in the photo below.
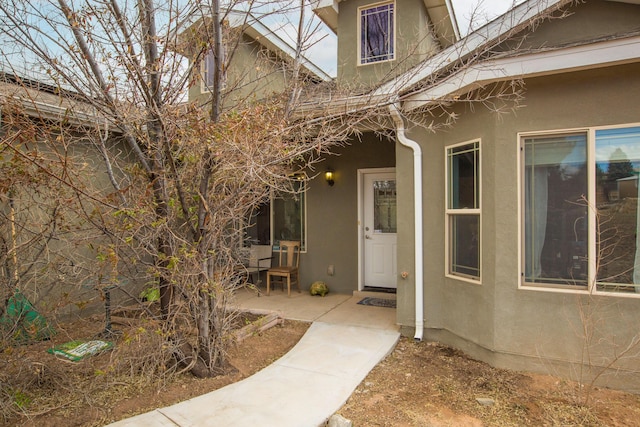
x=361, y=174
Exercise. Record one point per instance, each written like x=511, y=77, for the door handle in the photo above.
x=366, y=236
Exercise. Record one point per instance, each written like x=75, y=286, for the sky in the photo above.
x=323, y=53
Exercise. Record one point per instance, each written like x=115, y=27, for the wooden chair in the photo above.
x=290, y=251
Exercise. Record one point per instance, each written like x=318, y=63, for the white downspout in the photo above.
x=417, y=215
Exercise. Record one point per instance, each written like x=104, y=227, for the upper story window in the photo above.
x=463, y=210
x=377, y=26
x=207, y=70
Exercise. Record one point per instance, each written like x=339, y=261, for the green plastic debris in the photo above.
x=22, y=322
x=78, y=350
x=150, y=294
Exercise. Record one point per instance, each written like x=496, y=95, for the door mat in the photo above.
x=378, y=302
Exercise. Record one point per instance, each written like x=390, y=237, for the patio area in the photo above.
x=333, y=308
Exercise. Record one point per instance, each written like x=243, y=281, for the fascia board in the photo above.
x=564, y=60
x=57, y=113
x=517, y=17
x=327, y=11
x=263, y=35
x=443, y=19
x=255, y=29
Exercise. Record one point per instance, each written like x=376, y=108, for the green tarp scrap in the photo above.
x=77, y=350
x=22, y=322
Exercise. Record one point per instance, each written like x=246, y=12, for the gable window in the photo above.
x=207, y=70
x=579, y=206
x=463, y=210
x=377, y=33
x=282, y=218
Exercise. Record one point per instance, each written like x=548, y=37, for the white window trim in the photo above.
x=359, y=29
x=591, y=289
x=450, y=212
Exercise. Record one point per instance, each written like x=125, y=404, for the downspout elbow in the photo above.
x=417, y=199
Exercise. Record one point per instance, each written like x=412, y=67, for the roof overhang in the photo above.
x=444, y=21
x=38, y=100
x=253, y=27
x=327, y=11
x=483, y=73
x=497, y=30
x=558, y=61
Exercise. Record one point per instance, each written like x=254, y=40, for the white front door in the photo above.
x=379, y=229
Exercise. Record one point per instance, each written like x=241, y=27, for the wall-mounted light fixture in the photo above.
x=328, y=176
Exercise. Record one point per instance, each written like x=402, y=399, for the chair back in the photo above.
x=260, y=256
x=290, y=250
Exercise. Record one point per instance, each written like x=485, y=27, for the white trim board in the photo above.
x=543, y=63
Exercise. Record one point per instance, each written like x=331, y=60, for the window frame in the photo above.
x=207, y=61
x=451, y=213
x=592, y=284
x=391, y=56
x=251, y=222
x=303, y=218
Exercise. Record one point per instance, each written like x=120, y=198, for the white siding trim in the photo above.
x=543, y=63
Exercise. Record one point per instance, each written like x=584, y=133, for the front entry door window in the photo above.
x=380, y=228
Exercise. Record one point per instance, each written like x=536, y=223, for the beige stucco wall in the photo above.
x=59, y=275
x=414, y=43
x=496, y=321
x=253, y=74
x=592, y=19
x=332, y=214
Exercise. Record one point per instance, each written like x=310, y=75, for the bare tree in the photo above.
x=184, y=183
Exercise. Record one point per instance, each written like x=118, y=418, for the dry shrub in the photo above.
x=34, y=382
x=566, y=414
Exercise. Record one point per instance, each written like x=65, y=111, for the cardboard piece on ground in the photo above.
x=78, y=350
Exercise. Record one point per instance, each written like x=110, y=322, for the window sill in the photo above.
x=466, y=279
x=382, y=61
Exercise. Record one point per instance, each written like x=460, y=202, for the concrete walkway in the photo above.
x=309, y=383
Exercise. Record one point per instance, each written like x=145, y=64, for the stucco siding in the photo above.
x=590, y=20
x=56, y=233
x=414, y=43
x=253, y=74
x=332, y=214
x=497, y=320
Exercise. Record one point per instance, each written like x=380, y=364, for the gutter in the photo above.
x=417, y=216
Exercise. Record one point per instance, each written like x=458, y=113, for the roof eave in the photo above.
x=444, y=21
x=544, y=63
x=327, y=11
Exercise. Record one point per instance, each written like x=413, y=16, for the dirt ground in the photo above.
x=418, y=384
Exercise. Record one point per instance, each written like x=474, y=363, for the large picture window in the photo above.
x=576, y=205
x=555, y=215
x=377, y=33
x=463, y=210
